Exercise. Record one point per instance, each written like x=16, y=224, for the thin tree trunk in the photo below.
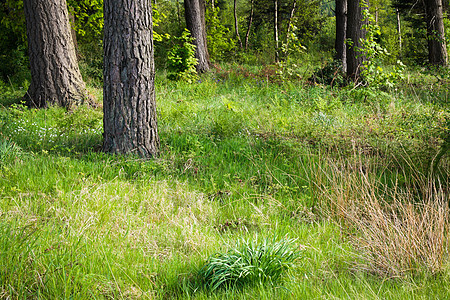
x=178, y=13
x=236, y=26
x=55, y=76
x=288, y=30
x=247, y=35
x=129, y=75
x=399, y=32
x=437, y=50
x=275, y=30
x=355, y=33
x=195, y=22
x=341, y=35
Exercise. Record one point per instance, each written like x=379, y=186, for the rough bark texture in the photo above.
x=355, y=32
x=55, y=76
x=128, y=94
x=437, y=50
x=195, y=23
x=341, y=35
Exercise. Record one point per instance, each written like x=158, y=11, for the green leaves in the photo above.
x=181, y=59
x=250, y=262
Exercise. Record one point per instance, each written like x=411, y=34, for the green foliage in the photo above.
x=9, y=152
x=88, y=17
x=219, y=43
x=375, y=55
x=79, y=130
x=181, y=59
x=157, y=18
x=250, y=262
x=13, y=45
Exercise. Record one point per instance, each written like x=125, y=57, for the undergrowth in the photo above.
x=342, y=171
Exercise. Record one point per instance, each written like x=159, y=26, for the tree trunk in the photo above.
x=341, y=35
x=129, y=79
x=247, y=35
x=399, y=32
x=55, y=76
x=236, y=26
x=195, y=22
x=288, y=30
x=437, y=50
x=355, y=32
x=275, y=31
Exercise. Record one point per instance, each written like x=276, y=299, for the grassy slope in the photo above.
x=240, y=158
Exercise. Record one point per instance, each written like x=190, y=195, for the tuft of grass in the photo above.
x=249, y=262
x=399, y=226
x=9, y=152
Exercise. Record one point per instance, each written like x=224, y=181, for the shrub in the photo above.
x=181, y=59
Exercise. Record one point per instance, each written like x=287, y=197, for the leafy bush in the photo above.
x=249, y=262
x=181, y=59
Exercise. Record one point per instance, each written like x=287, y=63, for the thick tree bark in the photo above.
x=437, y=50
x=236, y=25
x=55, y=76
x=341, y=34
x=129, y=75
x=355, y=32
x=195, y=22
x=247, y=35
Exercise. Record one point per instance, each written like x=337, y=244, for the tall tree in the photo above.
x=129, y=74
x=341, y=32
x=55, y=76
x=195, y=22
x=427, y=14
x=236, y=25
x=250, y=20
x=355, y=33
x=437, y=50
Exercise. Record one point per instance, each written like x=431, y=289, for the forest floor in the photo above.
x=341, y=175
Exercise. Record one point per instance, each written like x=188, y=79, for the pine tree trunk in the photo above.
x=355, y=32
x=341, y=35
x=129, y=76
x=437, y=50
x=195, y=22
x=55, y=76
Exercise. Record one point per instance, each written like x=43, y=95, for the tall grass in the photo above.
x=400, y=226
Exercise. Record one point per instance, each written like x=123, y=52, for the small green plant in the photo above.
x=250, y=262
x=181, y=59
x=372, y=72
x=219, y=43
x=9, y=152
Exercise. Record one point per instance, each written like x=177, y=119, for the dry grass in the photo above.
x=398, y=226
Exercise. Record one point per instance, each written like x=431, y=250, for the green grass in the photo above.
x=240, y=158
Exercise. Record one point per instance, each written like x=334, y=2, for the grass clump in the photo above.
x=250, y=262
x=398, y=223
